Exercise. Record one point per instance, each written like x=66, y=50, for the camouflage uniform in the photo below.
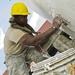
x=19, y=64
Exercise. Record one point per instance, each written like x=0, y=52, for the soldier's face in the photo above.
x=23, y=19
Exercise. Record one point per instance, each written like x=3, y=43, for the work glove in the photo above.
x=57, y=22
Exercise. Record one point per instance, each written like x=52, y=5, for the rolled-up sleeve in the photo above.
x=16, y=34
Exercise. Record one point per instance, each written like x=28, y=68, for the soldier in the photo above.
x=20, y=45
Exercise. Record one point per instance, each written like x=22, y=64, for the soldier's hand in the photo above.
x=32, y=64
x=56, y=22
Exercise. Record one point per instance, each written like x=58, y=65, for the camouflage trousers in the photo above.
x=19, y=64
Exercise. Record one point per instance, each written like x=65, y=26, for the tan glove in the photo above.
x=57, y=22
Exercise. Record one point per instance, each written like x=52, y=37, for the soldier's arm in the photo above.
x=30, y=40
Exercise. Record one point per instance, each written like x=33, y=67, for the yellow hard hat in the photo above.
x=19, y=8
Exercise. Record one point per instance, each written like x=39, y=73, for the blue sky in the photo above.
x=5, y=7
